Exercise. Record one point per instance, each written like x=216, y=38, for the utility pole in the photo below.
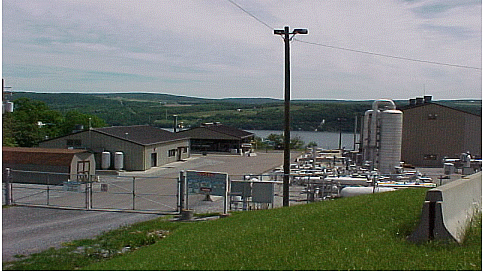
x=175, y=123
x=285, y=33
x=340, y=133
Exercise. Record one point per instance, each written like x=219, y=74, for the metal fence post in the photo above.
x=8, y=200
x=48, y=190
x=90, y=189
x=133, y=193
x=182, y=191
x=86, y=191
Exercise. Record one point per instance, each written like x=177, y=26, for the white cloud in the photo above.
x=213, y=49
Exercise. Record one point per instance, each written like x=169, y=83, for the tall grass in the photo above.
x=360, y=233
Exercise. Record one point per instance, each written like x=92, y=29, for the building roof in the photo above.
x=409, y=107
x=216, y=131
x=39, y=156
x=142, y=134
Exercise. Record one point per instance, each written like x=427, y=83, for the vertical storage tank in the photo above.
x=118, y=160
x=390, y=141
x=368, y=139
x=383, y=136
x=9, y=106
x=105, y=160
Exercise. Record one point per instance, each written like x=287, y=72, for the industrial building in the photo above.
x=132, y=148
x=216, y=137
x=432, y=132
x=69, y=164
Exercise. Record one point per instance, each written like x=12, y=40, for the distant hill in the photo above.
x=252, y=101
x=245, y=113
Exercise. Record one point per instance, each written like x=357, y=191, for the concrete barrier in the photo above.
x=448, y=210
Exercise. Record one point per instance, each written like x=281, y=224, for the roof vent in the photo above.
x=427, y=98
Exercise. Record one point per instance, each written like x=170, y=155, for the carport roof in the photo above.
x=216, y=131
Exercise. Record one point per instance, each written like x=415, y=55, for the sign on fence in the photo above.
x=209, y=183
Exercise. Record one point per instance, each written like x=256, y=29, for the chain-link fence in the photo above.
x=148, y=194
x=155, y=194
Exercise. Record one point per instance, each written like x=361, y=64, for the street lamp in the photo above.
x=285, y=33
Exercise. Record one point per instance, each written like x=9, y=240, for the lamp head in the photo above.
x=300, y=31
x=279, y=31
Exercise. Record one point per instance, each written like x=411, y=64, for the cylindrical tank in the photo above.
x=118, y=160
x=105, y=160
x=9, y=107
x=355, y=191
x=366, y=128
x=390, y=140
x=368, y=136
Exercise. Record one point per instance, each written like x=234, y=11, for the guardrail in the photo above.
x=448, y=210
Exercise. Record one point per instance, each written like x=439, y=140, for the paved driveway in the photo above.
x=28, y=230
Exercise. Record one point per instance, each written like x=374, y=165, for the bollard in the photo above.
x=186, y=215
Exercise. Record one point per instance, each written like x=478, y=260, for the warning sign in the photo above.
x=207, y=182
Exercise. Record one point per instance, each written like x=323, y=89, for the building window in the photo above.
x=74, y=142
x=430, y=157
x=171, y=152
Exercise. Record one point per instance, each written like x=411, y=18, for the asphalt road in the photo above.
x=27, y=230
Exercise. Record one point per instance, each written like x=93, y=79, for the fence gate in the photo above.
x=105, y=193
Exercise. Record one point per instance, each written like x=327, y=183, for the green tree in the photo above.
x=296, y=142
x=311, y=144
x=8, y=138
x=277, y=139
x=33, y=121
x=73, y=118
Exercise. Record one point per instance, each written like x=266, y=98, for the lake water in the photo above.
x=327, y=140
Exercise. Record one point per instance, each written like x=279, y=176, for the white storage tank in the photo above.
x=118, y=160
x=9, y=106
x=355, y=191
x=105, y=160
x=390, y=141
x=382, y=136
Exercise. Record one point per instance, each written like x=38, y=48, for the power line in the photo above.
x=389, y=56
x=250, y=14
x=357, y=51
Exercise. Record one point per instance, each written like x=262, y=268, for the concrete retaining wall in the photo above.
x=448, y=209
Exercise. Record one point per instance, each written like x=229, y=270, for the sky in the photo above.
x=357, y=50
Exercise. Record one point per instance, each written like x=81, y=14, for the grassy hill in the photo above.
x=360, y=233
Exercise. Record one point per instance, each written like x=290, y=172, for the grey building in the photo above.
x=67, y=164
x=142, y=146
x=432, y=132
